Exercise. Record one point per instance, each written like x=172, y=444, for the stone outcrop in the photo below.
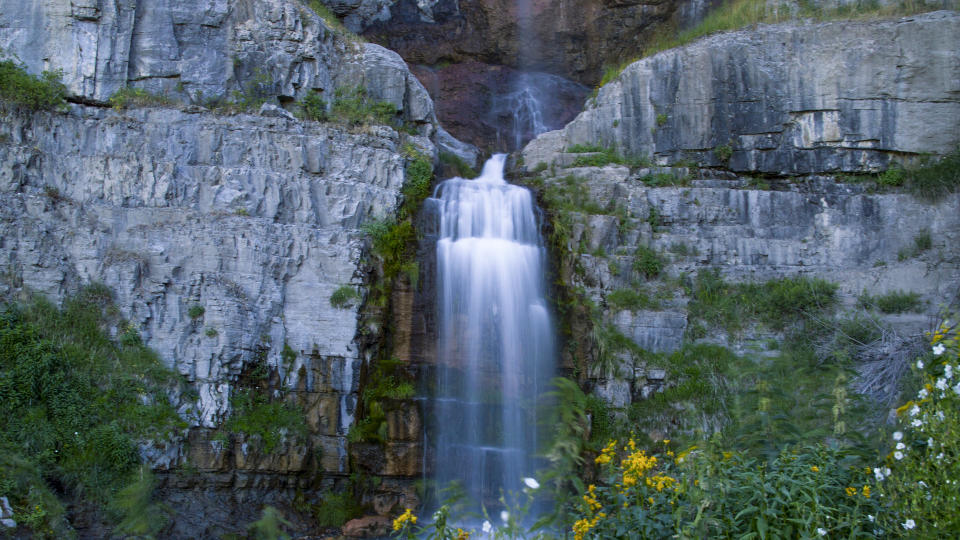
x=201, y=52
x=812, y=226
x=787, y=99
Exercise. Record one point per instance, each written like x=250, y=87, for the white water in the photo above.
x=496, y=344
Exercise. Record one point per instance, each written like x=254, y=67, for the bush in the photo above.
x=256, y=413
x=917, y=478
x=314, y=107
x=632, y=299
x=416, y=187
x=648, y=262
x=352, y=106
x=891, y=302
x=464, y=170
x=196, y=311
x=343, y=297
x=74, y=403
x=23, y=90
x=935, y=178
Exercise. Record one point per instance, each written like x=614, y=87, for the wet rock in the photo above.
x=367, y=527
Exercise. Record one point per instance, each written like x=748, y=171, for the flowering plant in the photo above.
x=920, y=477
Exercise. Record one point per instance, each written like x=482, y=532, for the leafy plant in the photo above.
x=343, y=297
x=723, y=153
x=269, y=526
x=353, y=107
x=196, y=311
x=128, y=97
x=464, y=170
x=314, y=107
x=335, y=509
x=891, y=302
x=632, y=299
x=21, y=89
x=648, y=262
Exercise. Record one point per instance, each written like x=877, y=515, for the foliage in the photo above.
x=392, y=243
x=806, y=492
x=344, y=296
x=891, y=302
x=74, y=403
x=416, y=187
x=932, y=179
x=23, y=90
x=134, y=510
x=353, y=107
x=598, y=156
x=128, y=97
x=387, y=380
x=313, y=107
x=335, y=509
x=775, y=303
x=918, y=477
x=463, y=169
x=723, y=153
x=632, y=299
x=570, y=194
x=269, y=526
x=922, y=242
x=648, y=262
x=196, y=311
x=331, y=19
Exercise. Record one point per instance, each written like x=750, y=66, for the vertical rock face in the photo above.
x=786, y=99
x=255, y=218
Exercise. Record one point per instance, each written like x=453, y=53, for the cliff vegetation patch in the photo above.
x=20, y=89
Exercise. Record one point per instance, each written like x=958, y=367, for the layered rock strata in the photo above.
x=785, y=99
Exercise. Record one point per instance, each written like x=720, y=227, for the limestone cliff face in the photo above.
x=197, y=51
x=254, y=217
x=786, y=99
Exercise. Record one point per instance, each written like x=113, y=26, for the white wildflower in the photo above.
x=922, y=394
x=909, y=524
x=956, y=388
x=940, y=414
x=940, y=456
x=898, y=455
x=938, y=349
x=930, y=442
x=948, y=371
x=919, y=364
x=941, y=384
x=922, y=484
x=886, y=472
x=916, y=423
x=901, y=446
x=878, y=474
x=487, y=527
x=821, y=531
x=504, y=515
x=915, y=410
x=897, y=435
x=870, y=517
x=531, y=483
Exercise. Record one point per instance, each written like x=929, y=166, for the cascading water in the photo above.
x=496, y=341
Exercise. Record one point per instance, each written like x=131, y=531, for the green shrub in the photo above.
x=891, y=177
x=416, y=187
x=343, y=297
x=352, y=107
x=269, y=526
x=335, y=509
x=256, y=413
x=23, y=90
x=662, y=119
x=137, y=97
x=314, y=107
x=211, y=332
x=723, y=153
x=196, y=311
x=891, y=302
x=632, y=299
x=648, y=262
x=934, y=179
x=74, y=403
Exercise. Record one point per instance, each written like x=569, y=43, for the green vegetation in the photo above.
x=353, y=107
x=419, y=178
x=648, y=262
x=775, y=303
x=921, y=242
x=663, y=179
x=632, y=299
x=211, y=332
x=387, y=381
x=335, y=509
x=462, y=169
x=313, y=107
x=22, y=90
x=662, y=119
x=344, y=297
x=332, y=21
x=723, y=153
x=196, y=311
x=74, y=404
x=600, y=156
x=269, y=526
x=891, y=302
x=138, y=97
x=932, y=179
x=262, y=412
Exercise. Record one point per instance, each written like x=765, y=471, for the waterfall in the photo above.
x=496, y=342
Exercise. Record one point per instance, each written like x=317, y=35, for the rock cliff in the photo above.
x=785, y=99
x=223, y=235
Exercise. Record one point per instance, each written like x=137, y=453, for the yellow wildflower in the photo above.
x=866, y=491
x=607, y=453
x=727, y=455
x=851, y=491
x=814, y=468
x=403, y=519
x=649, y=499
x=462, y=534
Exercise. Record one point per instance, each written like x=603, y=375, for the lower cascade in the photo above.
x=496, y=338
